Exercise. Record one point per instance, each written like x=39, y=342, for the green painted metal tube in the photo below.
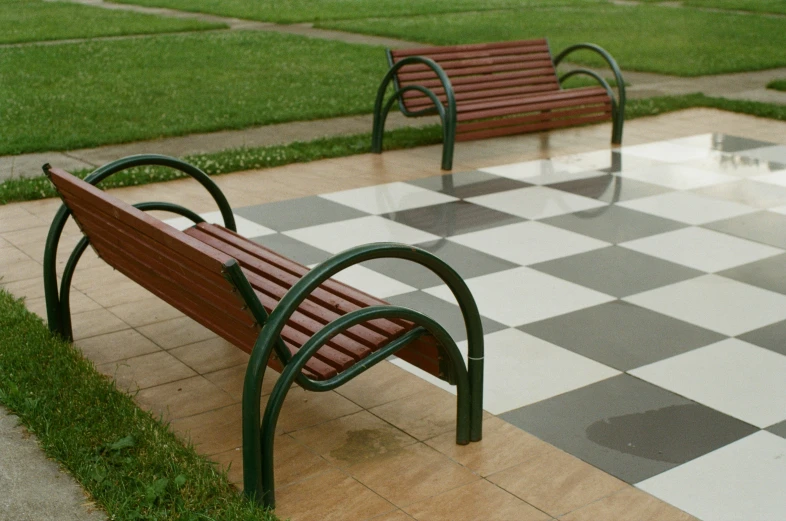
x=302, y=289
x=276, y=399
x=448, y=120
x=618, y=116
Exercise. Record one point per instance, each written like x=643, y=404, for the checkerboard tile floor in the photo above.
x=633, y=302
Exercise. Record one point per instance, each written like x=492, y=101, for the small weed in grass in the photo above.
x=36, y=20
x=127, y=461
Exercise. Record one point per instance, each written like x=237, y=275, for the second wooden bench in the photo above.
x=495, y=89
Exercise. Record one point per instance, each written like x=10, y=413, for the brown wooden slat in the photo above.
x=489, y=70
x=548, y=125
x=147, y=224
x=469, y=47
x=567, y=112
x=332, y=294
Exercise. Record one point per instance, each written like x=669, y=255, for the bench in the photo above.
x=495, y=89
x=317, y=332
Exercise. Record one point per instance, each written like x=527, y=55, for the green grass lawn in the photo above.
x=87, y=94
x=291, y=11
x=760, y=6
x=35, y=20
x=683, y=42
x=131, y=464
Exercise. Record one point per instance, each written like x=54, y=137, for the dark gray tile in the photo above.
x=773, y=153
x=617, y=271
x=752, y=193
x=629, y=428
x=726, y=143
x=292, y=248
x=468, y=184
x=452, y=218
x=769, y=273
x=467, y=262
x=772, y=337
x=779, y=429
x=446, y=314
x=765, y=227
x=614, y=224
x=621, y=335
x=610, y=188
x=298, y=213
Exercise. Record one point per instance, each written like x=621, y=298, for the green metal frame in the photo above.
x=447, y=113
x=617, y=102
x=58, y=307
x=259, y=430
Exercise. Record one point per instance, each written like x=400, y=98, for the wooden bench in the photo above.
x=494, y=89
x=317, y=332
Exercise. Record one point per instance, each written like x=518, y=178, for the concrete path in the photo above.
x=33, y=487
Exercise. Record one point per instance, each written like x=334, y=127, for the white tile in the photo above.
x=731, y=376
x=779, y=209
x=523, y=295
x=371, y=282
x=339, y=236
x=541, y=171
x=677, y=176
x=528, y=242
x=705, y=250
x=536, y=202
x=668, y=152
x=778, y=178
x=741, y=481
x=716, y=303
x=599, y=160
x=245, y=227
x=688, y=207
x=522, y=369
x=391, y=197
x=728, y=164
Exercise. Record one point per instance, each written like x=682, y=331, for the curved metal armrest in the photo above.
x=603, y=54
x=53, y=298
x=447, y=112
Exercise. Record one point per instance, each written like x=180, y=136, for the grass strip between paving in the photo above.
x=777, y=85
x=236, y=160
x=36, y=21
x=130, y=463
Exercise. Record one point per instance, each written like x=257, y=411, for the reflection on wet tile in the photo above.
x=298, y=213
x=453, y=218
x=446, y=314
x=468, y=184
x=721, y=142
x=617, y=271
x=766, y=227
x=774, y=153
x=293, y=249
x=770, y=337
x=614, y=224
x=629, y=428
x=751, y=193
x=390, y=197
x=621, y=335
x=609, y=189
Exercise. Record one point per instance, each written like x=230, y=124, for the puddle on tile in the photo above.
x=365, y=443
x=651, y=434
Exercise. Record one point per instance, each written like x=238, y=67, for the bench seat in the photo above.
x=495, y=89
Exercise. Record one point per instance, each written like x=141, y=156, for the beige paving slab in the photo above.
x=143, y=312
x=183, y=398
x=148, y=370
x=176, y=332
x=628, y=503
x=211, y=355
x=231, y=380
x=383, y=383
x=116, y=346
x=422, y=416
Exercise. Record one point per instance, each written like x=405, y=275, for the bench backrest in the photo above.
x=177, y=268
x=479, y=71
